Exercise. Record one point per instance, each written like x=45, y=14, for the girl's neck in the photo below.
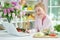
x=41, y=16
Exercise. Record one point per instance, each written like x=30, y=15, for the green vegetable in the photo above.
x=57, y=28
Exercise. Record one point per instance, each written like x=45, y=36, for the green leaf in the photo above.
x=57, y=28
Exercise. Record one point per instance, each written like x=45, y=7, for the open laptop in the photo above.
x=12, y=30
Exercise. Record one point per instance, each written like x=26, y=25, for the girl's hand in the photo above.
x=46, y=30
x=38, y=29
x=27, y=31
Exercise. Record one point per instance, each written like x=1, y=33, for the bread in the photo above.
x=38, y=35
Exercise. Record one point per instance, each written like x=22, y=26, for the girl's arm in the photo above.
x=48, y=24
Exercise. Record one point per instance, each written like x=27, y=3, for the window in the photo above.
x=54, y=9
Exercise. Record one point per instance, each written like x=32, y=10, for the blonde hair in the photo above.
x=40, y=4
x=21, y=1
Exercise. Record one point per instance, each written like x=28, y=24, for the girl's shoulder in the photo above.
x=48, y=18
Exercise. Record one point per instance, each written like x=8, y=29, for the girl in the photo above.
x=42, y=21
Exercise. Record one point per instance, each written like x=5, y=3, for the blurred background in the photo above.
x=25, y=13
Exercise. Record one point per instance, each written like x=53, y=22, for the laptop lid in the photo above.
x=10, y=28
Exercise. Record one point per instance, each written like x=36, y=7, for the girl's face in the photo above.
x=39, y=11
x=24, y=2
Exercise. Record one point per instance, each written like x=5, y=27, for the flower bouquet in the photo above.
x=8, y=10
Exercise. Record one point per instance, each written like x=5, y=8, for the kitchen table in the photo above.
x=5, y=36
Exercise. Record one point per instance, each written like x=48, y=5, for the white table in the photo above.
x=5, y=36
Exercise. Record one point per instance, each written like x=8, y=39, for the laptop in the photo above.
x=12, y=30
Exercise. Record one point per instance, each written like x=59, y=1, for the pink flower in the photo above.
x=14, y=3
x=5, y=11
x=16, y=7
x=11, y=9
x=23, y=13
x=8, y=10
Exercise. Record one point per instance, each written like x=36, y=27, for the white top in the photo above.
x=47, y=24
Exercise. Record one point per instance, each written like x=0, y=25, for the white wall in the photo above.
x=7, y=0
x=46, y=5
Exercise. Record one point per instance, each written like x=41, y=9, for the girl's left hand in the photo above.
x=46, y=30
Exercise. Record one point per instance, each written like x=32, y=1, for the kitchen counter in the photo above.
x=5, y=36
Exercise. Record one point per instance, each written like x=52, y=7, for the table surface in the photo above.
x=5, y=36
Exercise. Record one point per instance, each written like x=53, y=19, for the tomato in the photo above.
x=53, y=35
x=19, y=30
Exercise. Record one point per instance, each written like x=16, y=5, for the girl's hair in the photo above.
x=21, y=1
x=40, y=4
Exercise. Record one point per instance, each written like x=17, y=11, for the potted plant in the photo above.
x=57, y=28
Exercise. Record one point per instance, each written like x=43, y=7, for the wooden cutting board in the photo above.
x=46, y=37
